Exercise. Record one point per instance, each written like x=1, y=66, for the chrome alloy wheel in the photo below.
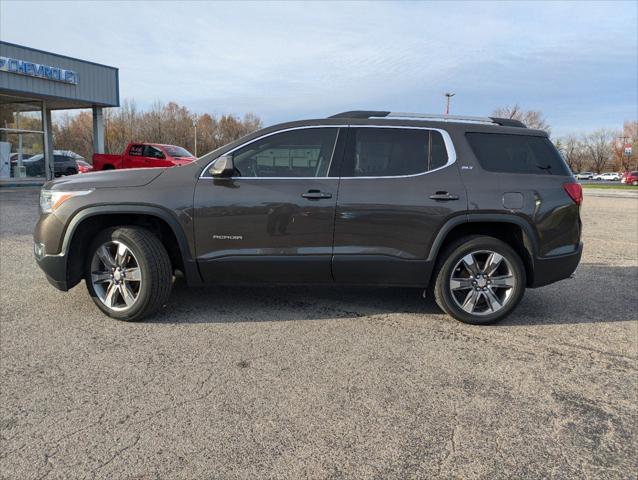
x=482, y=282
x=116, y=275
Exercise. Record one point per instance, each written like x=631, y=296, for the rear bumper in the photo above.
x=552, y=269
x=54, y=267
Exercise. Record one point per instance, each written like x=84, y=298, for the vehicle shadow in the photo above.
x=598, y=293
x=288, y=303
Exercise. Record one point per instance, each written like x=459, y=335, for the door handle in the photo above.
x=444, y=196
x=316, y=195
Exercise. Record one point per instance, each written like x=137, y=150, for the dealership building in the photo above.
x=33, y=83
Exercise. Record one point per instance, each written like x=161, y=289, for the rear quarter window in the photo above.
x=498, y=152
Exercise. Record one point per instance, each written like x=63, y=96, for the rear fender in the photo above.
x=531, y=236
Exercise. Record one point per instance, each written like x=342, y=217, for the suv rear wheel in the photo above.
x=128, y=273
x=479, y=280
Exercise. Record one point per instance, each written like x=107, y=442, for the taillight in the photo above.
x=575, y=192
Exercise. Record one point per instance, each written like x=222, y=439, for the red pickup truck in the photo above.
x=143, y=155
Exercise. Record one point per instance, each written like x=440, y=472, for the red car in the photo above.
x=630, y=178
x=143, y=155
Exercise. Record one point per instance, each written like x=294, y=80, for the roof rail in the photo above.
x=506, y=122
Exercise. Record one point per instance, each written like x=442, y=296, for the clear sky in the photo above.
x=576, y=62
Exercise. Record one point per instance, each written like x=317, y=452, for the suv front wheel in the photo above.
x=479, y=280
x=128, y=273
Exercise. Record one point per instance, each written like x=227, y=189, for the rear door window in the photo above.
x=391, y=152
x=153, y=152
x=497, y=152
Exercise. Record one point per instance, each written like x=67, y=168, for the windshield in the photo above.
x=175, y=151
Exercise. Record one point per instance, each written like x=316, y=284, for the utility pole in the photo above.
x=447, y=102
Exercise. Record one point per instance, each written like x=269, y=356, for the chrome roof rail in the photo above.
x=365, y=114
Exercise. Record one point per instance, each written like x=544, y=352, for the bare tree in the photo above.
x=531, y=118
x=580, y=158
x=162, y=123
x=571, y=149
x=598, y=147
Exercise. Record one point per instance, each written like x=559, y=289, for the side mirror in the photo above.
x=222, y=167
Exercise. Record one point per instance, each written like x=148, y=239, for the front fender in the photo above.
x=191, y=270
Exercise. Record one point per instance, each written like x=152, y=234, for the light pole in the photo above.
x=447, y=102
x=195, y=127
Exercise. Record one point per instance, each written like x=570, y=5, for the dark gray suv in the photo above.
x=472, y=209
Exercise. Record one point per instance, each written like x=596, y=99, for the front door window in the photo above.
x=296, y=153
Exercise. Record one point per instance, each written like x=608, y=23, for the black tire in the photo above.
x=70, y=171
x=153, y=262
x=108, y=167
x=453, y=255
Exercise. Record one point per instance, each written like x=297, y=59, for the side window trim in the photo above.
x=449, y=147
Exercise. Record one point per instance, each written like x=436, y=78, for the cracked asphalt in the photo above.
x=245, y=383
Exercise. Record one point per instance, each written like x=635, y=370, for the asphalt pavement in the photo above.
x=246, y=383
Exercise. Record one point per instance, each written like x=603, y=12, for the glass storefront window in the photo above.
x=25, y=115
x=21, y=140
x=26, y=154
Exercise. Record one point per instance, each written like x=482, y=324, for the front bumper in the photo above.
x=53, y=266
x=552, y=269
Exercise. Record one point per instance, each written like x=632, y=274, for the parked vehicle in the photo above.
x=13, y=158
x=83, y=167
x=64, y=163
x=584, y=176
x=143, y=155
x=630, y=178
x=474, y=210
x=608, y=176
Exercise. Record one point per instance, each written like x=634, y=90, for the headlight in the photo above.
x=52, y=199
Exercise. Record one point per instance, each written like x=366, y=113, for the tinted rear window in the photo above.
x=499, y=152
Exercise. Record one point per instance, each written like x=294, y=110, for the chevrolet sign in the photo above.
x=23, y=67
